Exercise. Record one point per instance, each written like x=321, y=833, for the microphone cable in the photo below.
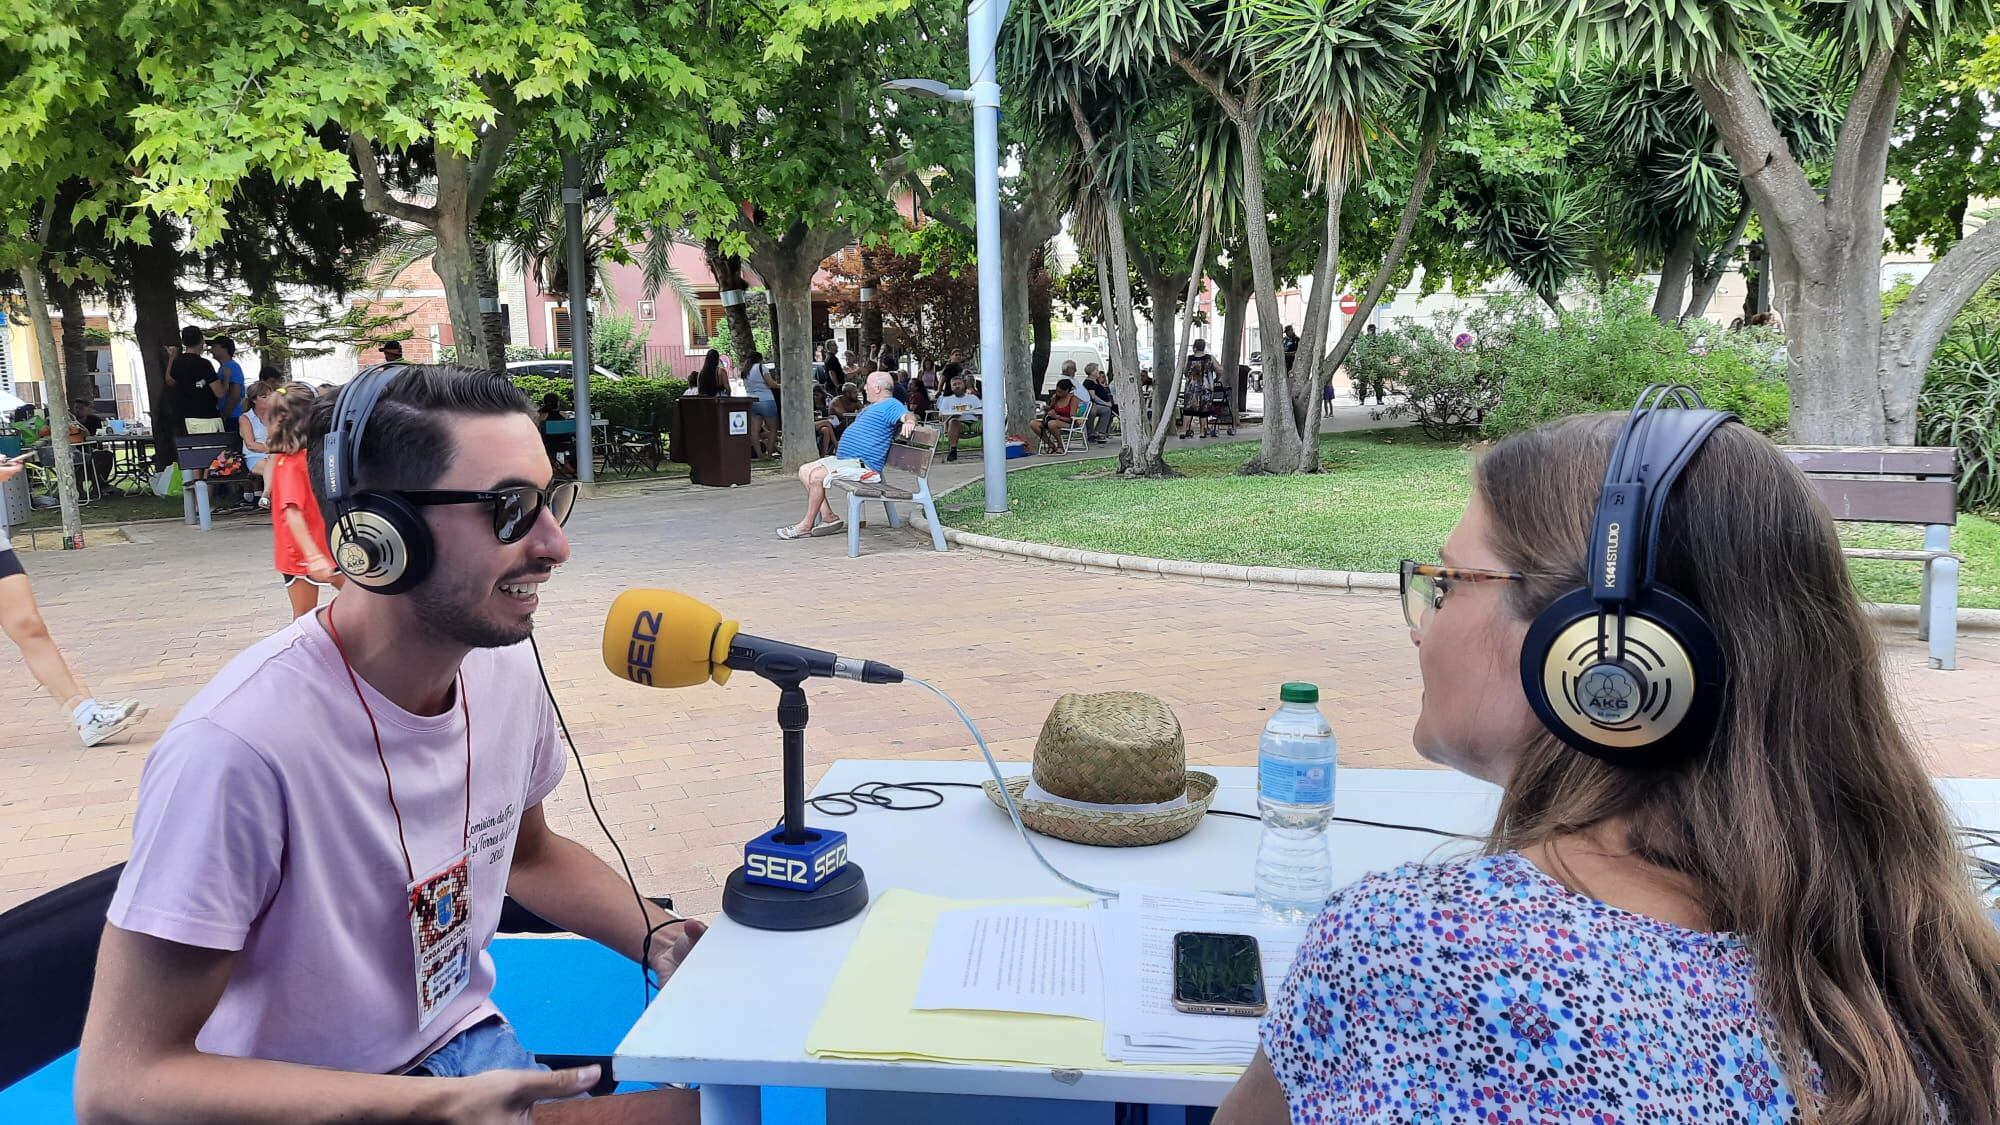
x=638, y=899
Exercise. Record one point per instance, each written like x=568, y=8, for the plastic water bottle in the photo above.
x=1295, y=760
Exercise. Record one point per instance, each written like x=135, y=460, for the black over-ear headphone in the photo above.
x=379, y=540
x=1624, y=669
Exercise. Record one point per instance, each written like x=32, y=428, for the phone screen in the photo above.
x=1220, y=969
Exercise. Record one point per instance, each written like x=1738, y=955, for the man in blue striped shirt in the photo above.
x=864, y=447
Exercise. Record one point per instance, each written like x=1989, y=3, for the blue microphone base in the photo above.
x=763, y=907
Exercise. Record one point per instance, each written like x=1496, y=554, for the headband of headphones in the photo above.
x=1653, y=447
x=341, y=456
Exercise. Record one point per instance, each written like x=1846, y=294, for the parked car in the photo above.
x=557, y=369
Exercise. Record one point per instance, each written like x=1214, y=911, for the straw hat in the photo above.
x=1110, y=770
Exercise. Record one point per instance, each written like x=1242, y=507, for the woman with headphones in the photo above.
x=1720, y=886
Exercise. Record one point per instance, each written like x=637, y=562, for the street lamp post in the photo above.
x=982, y=39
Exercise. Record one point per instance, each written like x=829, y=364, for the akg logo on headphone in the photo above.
x=1607, y=694
x=353, y=558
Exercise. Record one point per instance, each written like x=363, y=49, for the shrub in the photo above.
x=1599, y=357
x=1960, y=407
x=616, y=344
x=637, y=404
x=1448, y=389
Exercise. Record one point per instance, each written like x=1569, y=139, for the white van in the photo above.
x=1080, y=352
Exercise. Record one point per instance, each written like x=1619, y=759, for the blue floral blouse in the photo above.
x=1486, y=992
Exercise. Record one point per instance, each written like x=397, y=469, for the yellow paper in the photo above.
x=868, y=1015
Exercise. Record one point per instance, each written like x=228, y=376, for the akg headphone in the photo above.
x=1625, y=669
x=379, y=540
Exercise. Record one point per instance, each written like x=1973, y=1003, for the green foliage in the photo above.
x=1601, y=356
x=616, y=344
x=1448, y=389
x=638, y=404
x=1960, y=407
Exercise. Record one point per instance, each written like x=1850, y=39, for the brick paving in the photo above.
x=684, y=777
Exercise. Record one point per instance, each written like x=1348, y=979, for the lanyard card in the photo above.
x=440, y=913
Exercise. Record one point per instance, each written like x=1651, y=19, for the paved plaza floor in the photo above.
x=684, y=777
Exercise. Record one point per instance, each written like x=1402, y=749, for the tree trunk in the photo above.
x=1154, y=463
x=1708, y=271
x=1165, y=285
x=274, y=349
x=871, y=311
x=1911, y=337
x=458, y=272
x=493, y=326
x=38, y=317
x=1021, y=384
x=154, y=269
x=727, y=270
x=75, y=382
x=1392, y=259
x=1235, y=312
x=787, y=266
x=1041, y=316
x=1675, y=271
x=1306, y=378
x=1279, y=451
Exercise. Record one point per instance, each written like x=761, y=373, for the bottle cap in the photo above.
x=1299, y=693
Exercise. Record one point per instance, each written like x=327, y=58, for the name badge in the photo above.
x=440, y=913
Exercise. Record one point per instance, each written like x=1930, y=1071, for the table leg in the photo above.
x=731, y=1105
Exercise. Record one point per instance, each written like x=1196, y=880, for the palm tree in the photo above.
x=1854, y=376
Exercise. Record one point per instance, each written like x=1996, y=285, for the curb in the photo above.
x=1300, y=578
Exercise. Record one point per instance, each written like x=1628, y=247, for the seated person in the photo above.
x=839, y=413
x=551, y=409
x=87, y=423
x=1103, y=407
x=918, y=398
x=1768, y=920
x=261, y=957
x=29, y=426
x=1063, y=405
x=957, y=409
x=863, y=450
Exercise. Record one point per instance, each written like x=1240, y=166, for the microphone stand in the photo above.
x=843, y=893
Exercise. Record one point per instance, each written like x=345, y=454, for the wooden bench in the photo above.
x=913, y=457
x=1911, y=485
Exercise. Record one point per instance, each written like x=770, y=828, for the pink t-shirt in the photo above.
x=264, y=827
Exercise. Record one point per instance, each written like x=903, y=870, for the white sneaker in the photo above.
x=103, y=721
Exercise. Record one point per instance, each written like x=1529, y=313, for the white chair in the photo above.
x=1076, y=435
x=912, y=457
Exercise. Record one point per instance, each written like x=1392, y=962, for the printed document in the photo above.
x=1036, y=959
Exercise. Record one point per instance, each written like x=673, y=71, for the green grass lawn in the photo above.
x=1386, y=495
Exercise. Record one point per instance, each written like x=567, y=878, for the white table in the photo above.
x=735, y=1017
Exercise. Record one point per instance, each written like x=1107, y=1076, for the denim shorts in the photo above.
x=764, y=408
x=487, y=1045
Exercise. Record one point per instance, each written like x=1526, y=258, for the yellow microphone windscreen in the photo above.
x=663, y=638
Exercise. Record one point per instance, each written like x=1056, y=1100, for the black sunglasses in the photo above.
x=515, y=509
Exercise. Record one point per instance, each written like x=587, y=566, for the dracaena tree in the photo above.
x=1854, y=377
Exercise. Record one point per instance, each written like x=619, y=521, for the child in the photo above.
x=298, y=531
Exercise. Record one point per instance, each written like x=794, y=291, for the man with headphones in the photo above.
x=326, y=832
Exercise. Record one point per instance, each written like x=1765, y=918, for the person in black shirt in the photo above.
x=189, y=377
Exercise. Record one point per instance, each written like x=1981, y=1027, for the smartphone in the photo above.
x=1218, y=974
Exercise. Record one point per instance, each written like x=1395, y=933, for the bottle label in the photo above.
x=1295, y=783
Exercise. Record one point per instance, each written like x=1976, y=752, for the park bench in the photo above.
x=195, y=453
x=912, y=456
x=1909, y=485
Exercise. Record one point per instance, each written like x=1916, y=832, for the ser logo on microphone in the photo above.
x=639, y=653
x=792, y=871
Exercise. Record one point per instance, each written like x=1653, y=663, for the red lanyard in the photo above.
x=465, y=710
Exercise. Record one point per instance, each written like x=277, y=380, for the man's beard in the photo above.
x=455, y=611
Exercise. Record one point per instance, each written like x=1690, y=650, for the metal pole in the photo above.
x=579, y=308
x=982, y=36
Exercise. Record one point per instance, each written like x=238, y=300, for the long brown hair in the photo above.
x=291, y=420
x=1807, y=826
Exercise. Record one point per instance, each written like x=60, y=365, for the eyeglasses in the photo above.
x=515, y=510
x=1424, y=586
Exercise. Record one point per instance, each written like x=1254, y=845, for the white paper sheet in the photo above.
x=1038, y=959
x=1141, y=1023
